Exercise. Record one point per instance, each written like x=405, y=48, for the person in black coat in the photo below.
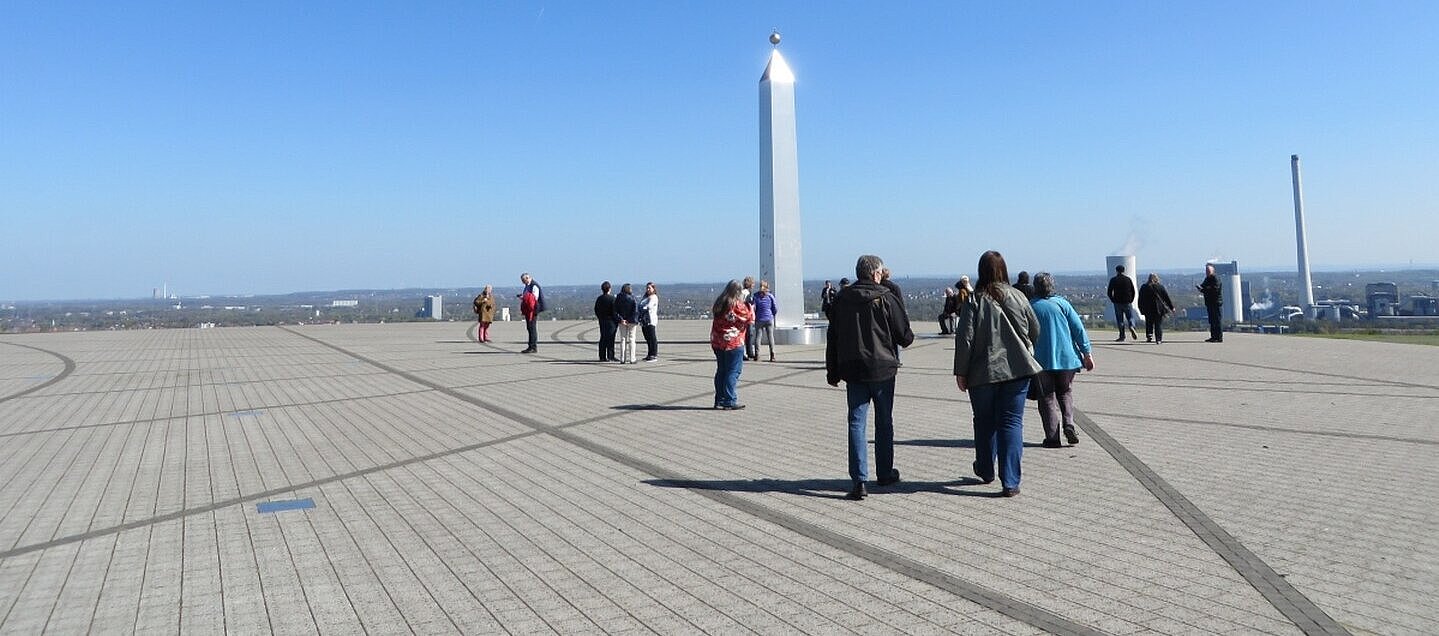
x=1213, y=299
x=1121, y=293
x=605, y=314
x=1021, y=282
x=1154, y=303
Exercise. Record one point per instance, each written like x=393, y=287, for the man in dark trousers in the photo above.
x=530, y=307
x=1213, y=299
x=1121, y=293
x=867, y=326
x=605, y=314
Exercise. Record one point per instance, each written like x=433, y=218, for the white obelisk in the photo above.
x=779, y=236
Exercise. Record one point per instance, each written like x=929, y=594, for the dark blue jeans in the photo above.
x=1124, y=317
x=728, y=364
x=860, y=394
x=999, y=429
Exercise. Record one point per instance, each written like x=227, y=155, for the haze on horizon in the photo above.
x=233, y=149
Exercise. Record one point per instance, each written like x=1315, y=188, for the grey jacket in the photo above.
x=994, y=341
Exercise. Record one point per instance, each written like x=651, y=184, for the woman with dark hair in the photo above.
x=1062, y=348
x=732, y=319
x=994, y=362
x=649, y=317
x=1154, y=303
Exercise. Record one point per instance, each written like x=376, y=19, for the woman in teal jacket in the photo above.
x=1062, y=349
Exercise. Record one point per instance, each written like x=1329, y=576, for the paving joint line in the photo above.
x=1290, y=602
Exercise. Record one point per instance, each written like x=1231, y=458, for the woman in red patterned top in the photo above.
x=732, y=318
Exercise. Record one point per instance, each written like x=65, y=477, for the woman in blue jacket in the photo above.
x=765, y=309
x=1062, y=349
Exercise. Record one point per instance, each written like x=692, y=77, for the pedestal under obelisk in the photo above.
x=779, y=232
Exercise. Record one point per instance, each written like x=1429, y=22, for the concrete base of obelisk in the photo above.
x=808, y=334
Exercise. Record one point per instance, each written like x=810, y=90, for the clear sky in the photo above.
x=266, y=147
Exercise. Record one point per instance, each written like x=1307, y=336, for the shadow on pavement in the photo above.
x=660, y=407
x=824, y=488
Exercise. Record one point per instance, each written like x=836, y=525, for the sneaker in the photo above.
x=1052, y=443
x=1071, y=437
x=857, y=493
x=731, y=407
x=1009, y=492
x=651, y=358
x=890, y=480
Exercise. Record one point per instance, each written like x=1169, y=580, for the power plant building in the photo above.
x=434, y=308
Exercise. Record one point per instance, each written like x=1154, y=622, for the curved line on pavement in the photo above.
x=69, y=368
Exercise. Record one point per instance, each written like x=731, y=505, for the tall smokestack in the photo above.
x=1306, y=292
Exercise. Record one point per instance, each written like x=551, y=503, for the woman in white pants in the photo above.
x=627, y=310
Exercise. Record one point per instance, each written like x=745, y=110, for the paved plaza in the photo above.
x=403, y=478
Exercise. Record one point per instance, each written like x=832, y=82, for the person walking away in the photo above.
x=867, y=326
x=1213, y=299
x=627, y=312
x=751, y=345
x=1154, y=304
x=765, y=309
x=994, y=362
x=485, y=313
x=1021, y=282
x=605, y=314
x=1121, y=293
x=530, y=308
x=728, y=331
x=649, y=318
x=1062, y=349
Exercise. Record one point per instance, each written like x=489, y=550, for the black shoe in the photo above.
x=1009, y=492
x=1149, y=339
x=857, y=493
x=529, y=351
x=1052, y=443
x=731, y=407
x=1071, y=437
x=1119, y=339
x=1132, y=334
x=890, y=480
x=982, y=478
x=1214, y=340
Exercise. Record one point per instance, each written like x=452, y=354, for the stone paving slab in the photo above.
x=1265, y=485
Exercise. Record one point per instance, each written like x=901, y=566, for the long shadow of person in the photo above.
x=821, y=488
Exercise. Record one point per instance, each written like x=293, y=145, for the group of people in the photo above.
x=623, y=314
x=1010, y=344
x=1155, y=305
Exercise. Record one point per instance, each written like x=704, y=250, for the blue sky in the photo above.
x=284, y=146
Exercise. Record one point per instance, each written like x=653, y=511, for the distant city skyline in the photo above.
x=234, y=149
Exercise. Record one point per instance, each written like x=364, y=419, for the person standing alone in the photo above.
x=868, y=324
x=1121, y=293
x=1213, y=300
x=530, y=307
x=485, y=312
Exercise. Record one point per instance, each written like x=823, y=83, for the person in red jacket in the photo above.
x=530, y=309
x=728, y=331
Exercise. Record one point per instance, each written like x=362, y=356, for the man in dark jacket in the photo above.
x=867, y=327
x=1121, y=293
x=1213, y=299
x=605, y=314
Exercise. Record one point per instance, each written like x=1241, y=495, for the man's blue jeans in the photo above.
x=728, y=364
x=860, y=394
x=1124, y=317
x=999, y=429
